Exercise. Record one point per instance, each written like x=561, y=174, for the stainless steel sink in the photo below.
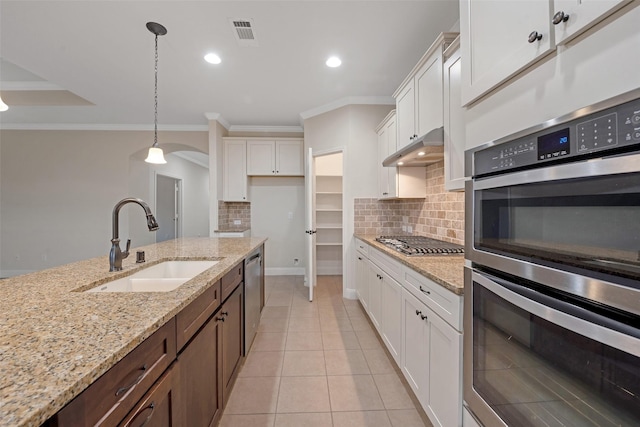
x=163, y=277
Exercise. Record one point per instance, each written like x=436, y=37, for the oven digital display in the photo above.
x=554, y=144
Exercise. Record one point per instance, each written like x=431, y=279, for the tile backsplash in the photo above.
x=230, y=211
x=440, y=215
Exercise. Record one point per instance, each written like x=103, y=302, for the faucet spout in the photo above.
x=116, y=255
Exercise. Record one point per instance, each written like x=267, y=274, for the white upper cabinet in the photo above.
x=572, y=17
x=419, y=97
x=499, y=39
x=234, y=180
x=275, y=157
x=396, y=182
x=454, y=130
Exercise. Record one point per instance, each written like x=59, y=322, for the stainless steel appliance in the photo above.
x=552, y=297
x=420, y=245
x=253, y=296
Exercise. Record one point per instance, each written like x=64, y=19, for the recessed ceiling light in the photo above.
x=421, y=153
x=333, y=62
x=400, y=163
x=212, y=58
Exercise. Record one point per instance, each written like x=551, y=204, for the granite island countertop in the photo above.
x=445, y=270
x=56, y=340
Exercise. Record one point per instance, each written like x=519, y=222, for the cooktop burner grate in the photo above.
x=420, y=245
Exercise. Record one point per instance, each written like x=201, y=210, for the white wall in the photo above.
x=277, y=212
x=352, y=129
x=602, y=63
x=59, y=189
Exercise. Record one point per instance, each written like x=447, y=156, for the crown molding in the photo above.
x=218, y=117
x=101, y=127
x=350, y=100
x=274, y=129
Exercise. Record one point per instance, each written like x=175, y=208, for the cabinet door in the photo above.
x=454, y=130
x=405, y=115
x=362, y=281
x=582, y=14
x=444, y=398
x=428, y=95
x=415, y=345
x=289, y=159
x=235, y=171
x=383, y=172
x=375, y=294
x=495, y=41
x=161, y=405
x=261, y=157
x=232, y=338
x=392, y=146
x=391, y=316
x=201, y=375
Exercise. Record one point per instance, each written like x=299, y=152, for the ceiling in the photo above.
x=90, y=63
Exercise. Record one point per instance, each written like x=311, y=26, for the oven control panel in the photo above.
x=608, y=129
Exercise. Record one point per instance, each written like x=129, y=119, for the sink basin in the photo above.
x=163, y=277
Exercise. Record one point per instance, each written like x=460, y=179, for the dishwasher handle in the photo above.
x=253, y=257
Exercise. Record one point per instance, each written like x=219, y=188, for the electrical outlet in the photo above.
x=409, y=229
x=237, y=221
x=296, y=261
x=404, y=228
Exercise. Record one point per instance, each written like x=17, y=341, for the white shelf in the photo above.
x=328, y=210
x=328, y=244
x=329, y=226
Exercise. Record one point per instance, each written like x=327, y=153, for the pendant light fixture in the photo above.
x=156, y=155
x=3, y=106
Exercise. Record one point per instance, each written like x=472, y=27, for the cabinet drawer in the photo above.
x=232, y=279
x=189, y=320
x=390, y=266
x=112, y=396
x=443, y=302
x=159, y=407
x=362, y=247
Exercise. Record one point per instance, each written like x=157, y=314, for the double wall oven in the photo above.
x=552, y=289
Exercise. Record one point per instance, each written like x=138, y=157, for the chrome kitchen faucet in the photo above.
x=116, y=255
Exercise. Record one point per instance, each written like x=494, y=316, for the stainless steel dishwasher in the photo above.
x=253, y=295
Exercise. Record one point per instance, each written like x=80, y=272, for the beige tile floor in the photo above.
x=318, y=364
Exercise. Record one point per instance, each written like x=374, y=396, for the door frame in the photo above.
x=179, y=201
x=326, y=152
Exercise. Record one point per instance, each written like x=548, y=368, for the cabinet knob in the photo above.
x=423, y=317
x=224, y=313
x=418, y=312
x=384, y=194
x=273, y=171
x=560, y=17
x=534, y=36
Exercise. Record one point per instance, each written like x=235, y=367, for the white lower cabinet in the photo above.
x=409, y=312
x=391, y=316
x=431, y=361
x=375, y=295
x=362, y=280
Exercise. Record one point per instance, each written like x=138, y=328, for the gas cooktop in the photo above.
x=420, y=245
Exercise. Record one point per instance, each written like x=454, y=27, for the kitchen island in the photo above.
x=56, y=340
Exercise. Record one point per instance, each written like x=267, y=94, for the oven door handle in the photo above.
x=577, y=319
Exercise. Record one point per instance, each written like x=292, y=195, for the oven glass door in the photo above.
x=589, y=226
x=538, y=361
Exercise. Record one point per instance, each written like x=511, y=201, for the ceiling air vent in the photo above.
x=244, y=32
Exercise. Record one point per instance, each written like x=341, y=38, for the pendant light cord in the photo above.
x=155, y=119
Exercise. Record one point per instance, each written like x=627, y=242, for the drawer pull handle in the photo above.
x=151, y=406
x=221, y=319
x=423, y=290
x=224, y=313
x=134, y=383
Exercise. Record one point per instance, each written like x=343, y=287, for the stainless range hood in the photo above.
x=427, y=149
